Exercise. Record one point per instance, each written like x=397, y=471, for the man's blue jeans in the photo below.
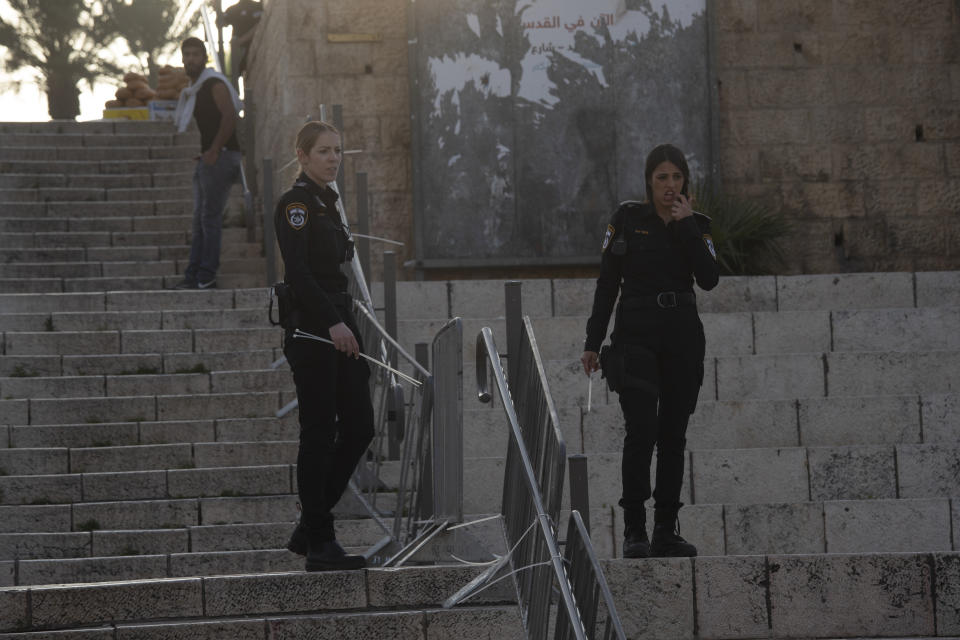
x=211, y=188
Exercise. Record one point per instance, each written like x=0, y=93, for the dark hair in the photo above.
x=309, y=133
x=193, y=43
x=661, y=154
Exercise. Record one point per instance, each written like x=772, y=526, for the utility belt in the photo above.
x=662, y=300
x=289, y=312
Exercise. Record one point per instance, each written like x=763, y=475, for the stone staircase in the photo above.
x=97, y=206
x=147, y=490
x=823, y=470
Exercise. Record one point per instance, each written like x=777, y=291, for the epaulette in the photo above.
x=631, y=203
x=702, y=215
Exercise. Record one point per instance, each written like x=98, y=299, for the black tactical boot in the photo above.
x=636, y=545
x=635, y=541
x=328, y=555
x=667, y=542
x=298, y=540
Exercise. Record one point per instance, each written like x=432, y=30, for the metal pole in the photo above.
x=514, y=319
x=269, y=239
x=579, y=492
x=390, y=299
x=425, y=502
x=338, y=123
x=363, y=225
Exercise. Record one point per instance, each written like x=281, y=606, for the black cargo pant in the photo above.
x=666, y=347
x=336, y=424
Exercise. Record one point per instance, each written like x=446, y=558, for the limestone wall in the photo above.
x=296, y=65
x=845, y=114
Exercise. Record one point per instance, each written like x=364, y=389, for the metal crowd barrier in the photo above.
x=535, y=556
x=533, y=488
x=590, y=588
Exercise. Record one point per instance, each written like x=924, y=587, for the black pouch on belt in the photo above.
x=289, y=316
x=630, y=366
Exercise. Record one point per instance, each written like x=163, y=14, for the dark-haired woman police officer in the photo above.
x=652, y=253
x=336, y=415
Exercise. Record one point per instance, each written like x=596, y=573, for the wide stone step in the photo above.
x=760, y=333
x=84, y=270
x=136, y=341
x=745, y=476
x=498, y=621
x=831, y=526
x=574, y=297
x=96, y=167
x=150, y=432
x=115, y=223
x=233, y=274
x=233, y=251
x=778, y=377
x=202, y=538
x=143, y=408
x=813, y=596
x=139, y=457
x=176, y=599
x=43, y=181
x=135, y=301
x=127, y=242
x=140, y=567
x=133, y=364
x=79, y=211
x=119, y=320
x=278, y=379
x=160, y=484
x=102, y=127
x=95, y=139
x=829, y=421
x=99, y=153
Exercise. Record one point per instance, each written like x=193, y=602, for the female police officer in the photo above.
x=652, y=252
x=336, y=415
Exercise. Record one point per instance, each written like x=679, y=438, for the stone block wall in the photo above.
x=299, y=60
x=844, y=114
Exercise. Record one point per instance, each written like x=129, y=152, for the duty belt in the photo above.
x=662, y=300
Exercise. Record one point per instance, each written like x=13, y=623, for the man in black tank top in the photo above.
x=214, y=107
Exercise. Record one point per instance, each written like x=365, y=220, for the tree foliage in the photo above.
x=64, y=41
x=149, y=29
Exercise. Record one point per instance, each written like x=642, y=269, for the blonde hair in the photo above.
x=307, y=137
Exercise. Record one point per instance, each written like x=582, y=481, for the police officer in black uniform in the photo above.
x=652, y=253
x=336, y=415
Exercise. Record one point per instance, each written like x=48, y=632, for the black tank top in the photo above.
x=208, y=118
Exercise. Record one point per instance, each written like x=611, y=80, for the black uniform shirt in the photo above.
x=313, y=243
x=208, y=117
x=643, y=257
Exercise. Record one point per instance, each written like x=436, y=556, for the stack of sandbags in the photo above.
x=170, y=81
x=136, y=93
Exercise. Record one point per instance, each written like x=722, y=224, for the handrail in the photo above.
x=540, y=551
x=589, y=585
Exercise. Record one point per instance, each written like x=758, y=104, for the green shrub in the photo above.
x=746, y=234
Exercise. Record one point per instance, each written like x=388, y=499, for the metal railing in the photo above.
x=533, y=486
x=535, y=555
x=590, y=589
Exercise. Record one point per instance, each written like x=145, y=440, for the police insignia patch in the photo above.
x=713, y=251
x=296, y=215
x=606, y=238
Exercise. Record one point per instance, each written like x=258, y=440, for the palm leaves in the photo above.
x=745, y=232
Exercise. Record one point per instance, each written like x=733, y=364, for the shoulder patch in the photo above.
x=296, y=213
x=607, y=236
x=708, y=240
